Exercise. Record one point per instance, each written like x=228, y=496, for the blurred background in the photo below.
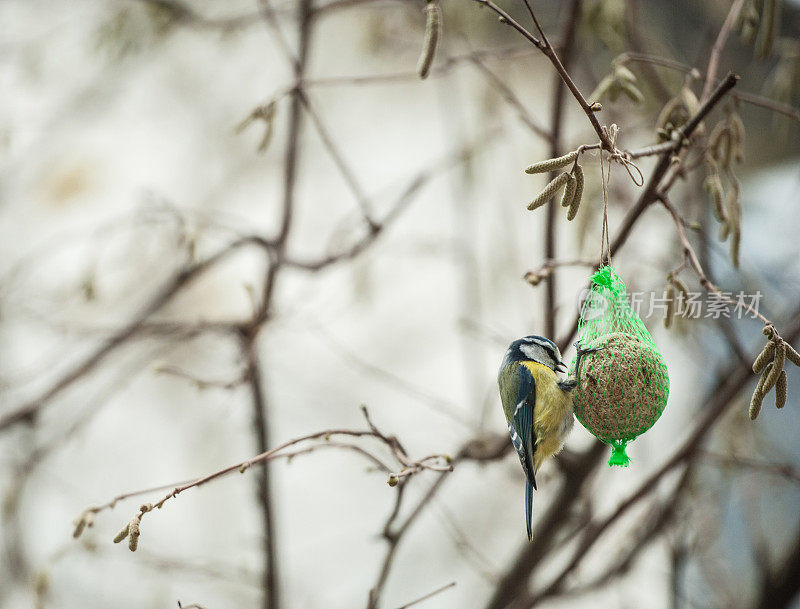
x=227, y=225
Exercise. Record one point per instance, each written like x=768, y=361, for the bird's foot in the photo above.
x=568, y=385
x=581, y=353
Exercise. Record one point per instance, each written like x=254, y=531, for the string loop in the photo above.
x=624, y=159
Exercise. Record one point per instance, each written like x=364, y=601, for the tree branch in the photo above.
x=651, y=190
x=545, y=47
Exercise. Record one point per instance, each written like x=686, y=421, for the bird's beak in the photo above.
x=561, y=367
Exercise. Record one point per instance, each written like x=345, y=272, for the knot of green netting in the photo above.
x=606, y=278
x=618, y=455
x=603, y=276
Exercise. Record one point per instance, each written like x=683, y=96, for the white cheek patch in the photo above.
x=530, y=351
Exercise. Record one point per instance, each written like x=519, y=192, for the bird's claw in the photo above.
x=581, y=353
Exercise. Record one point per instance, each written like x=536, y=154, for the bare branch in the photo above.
x=429, y=595
x=691, y=257
x=716, y=50
x=654, y=184
x=438, y=463
x=545, y=47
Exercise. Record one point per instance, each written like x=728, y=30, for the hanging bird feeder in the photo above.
x=623, y=383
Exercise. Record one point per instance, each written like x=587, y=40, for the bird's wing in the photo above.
x=518, y=392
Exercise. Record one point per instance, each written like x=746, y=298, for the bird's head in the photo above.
x=535, y=349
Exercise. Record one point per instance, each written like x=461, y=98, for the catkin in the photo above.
x=665, y=115
x=733, y=208
x=680, y=286
x=578, y=173
x=781, y=390
x=792, y=355
x=766, y=37
x=123, y=533
x=670, y=313
x=758, y=394
x=603, y=87
x=569, y=191
x=690, y=101
x=622, y=73
x=573, y=209
x=755, y=405
x=737, y=133
x=133, y=539
x=766, y=355
x=433, y=29
x=750, y=25
x=719, y=142
x=724, y=149
x=550, y=164
x=777, y=365
x=713, y=185
x=577, y=195
x=724, y=230
x=736, y=237
x=80, y=524
x=548, y=192
x=632, y=91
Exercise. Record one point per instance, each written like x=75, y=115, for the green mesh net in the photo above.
x=623, y=385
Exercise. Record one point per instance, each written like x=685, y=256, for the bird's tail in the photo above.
x=529, y=508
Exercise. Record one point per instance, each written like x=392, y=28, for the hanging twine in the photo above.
x=605, y=245
x=635, y=174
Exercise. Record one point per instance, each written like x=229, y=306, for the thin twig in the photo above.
x=401, y=202
x=438, y=463
x=545, y=47
x=745, y=96
x=164, y=295
x=512, y=99
x=694, y=262
x=338, y=158
x=782, y=470
x=427, y=596
x=719, y=45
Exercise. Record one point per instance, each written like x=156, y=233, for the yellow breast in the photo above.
x=552, y=413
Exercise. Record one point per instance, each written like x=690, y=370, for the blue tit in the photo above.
x=537, y=405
